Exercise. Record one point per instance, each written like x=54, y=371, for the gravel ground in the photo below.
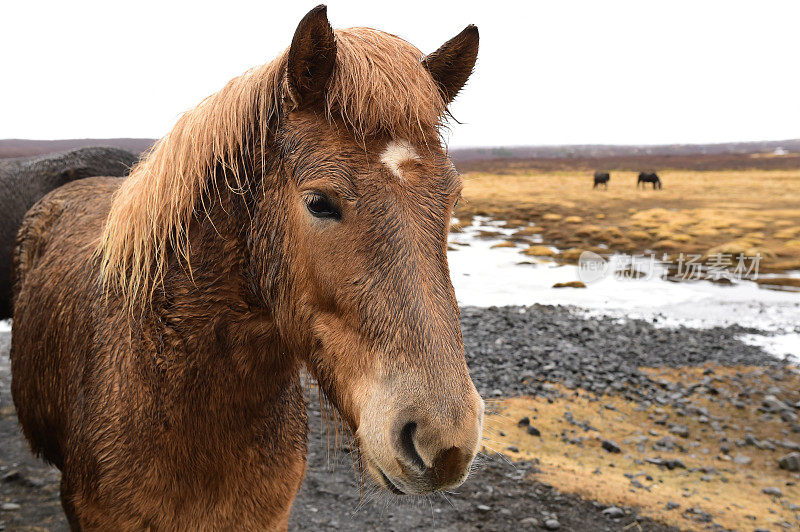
x=511, y=351
x=517, y=350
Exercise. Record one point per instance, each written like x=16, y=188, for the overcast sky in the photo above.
x=549, y=72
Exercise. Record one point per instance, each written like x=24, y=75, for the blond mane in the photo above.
x=378, y=86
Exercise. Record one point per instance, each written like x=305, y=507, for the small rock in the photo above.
x=742, y=459
x=680, y=430
x=672, y=505
x=611, y=446
x=775, y=492
x=613, y=512
x=513, y=448
x=788, y=416
x=12, y=476
x=552, y=524
x=674, y=464
x=773, y=404
x=9, y=506
x=529, y=521
x=482, y=508
x=524, y=422
x=533, y=431
x=792, y=446
x=790, y=462
x=751, y=440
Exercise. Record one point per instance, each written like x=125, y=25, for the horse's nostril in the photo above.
x=407, y=444
x=449, y=465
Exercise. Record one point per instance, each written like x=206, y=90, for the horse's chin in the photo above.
x=395, y=484
x=385, y=481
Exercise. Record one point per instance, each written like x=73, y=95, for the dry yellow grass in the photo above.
x=571, y=255
x=697, y=212
x=539, y=251
x=570, y=284
x=504, y=244
x=732, y=495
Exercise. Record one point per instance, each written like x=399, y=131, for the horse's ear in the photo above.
x=452, y=64
x=311, y=59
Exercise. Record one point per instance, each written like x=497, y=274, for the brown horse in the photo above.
x=648, y=177
x=296, y=219
x=601, y=178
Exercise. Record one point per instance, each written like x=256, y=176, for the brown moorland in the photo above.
x=729, y=204
x=710, y=483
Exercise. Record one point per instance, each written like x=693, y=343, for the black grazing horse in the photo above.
x=601, y=178
x=648, y=177
x=23, y=182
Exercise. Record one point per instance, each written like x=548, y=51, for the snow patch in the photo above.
x=485, y=277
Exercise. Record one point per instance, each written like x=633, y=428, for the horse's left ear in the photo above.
x=312, y=56
x=452, y=64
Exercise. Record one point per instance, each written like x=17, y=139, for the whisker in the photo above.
x=446, y=498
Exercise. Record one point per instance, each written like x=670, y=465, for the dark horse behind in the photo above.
x=601, y=178
x=25, y=180
x=295, y=221
x=648, y=177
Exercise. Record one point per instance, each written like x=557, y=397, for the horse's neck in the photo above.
x=206, y=343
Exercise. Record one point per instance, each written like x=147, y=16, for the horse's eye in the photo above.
x=321, y=206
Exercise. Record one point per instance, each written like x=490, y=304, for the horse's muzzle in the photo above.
x=427, y=454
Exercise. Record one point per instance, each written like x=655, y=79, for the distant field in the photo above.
x=746, y=210
x=631, y=160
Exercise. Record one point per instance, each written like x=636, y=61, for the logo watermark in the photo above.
x=718, y=267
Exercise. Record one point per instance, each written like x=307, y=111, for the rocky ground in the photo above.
x=518, y=350
x=512, y=351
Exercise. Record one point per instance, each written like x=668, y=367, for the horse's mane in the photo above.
x=378, y=86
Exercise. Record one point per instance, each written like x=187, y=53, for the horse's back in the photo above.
x=54, y=276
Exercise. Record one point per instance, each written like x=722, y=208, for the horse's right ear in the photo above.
x=311, y=59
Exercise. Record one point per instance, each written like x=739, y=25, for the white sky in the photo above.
x=549, y=72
